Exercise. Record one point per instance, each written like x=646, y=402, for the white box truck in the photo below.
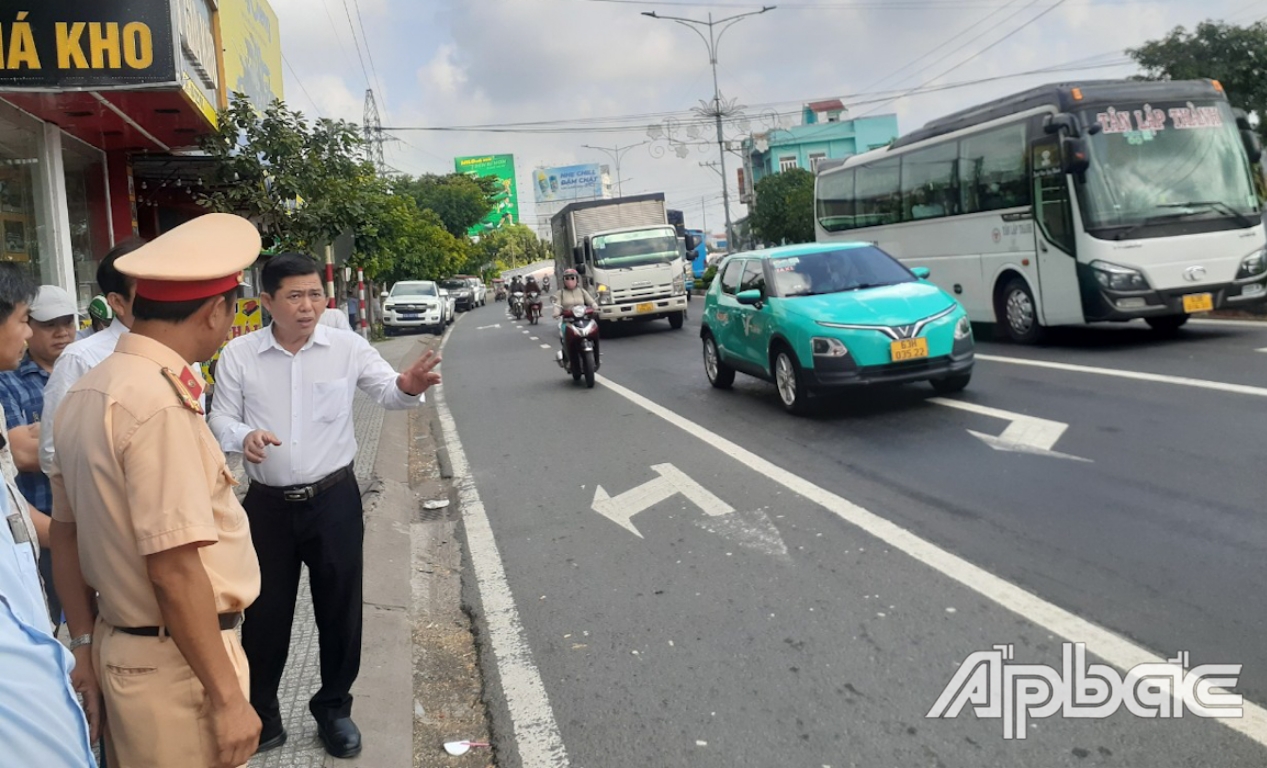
x=628, y=256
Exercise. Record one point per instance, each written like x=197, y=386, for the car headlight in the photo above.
x=825, y=346
x=604, y=295
x=1118, y=278
x=963, y=328
x=1253, y=265
x=679, y=285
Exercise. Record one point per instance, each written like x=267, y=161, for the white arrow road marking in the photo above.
x=672, y=481
x=486, y=327
x=1025, y=434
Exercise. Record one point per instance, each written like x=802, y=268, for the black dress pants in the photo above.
x=326, y=534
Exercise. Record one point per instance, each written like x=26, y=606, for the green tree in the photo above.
x=511, y=246
x=1225, y=52
x=459, y=200
x=396, y=241
x=301, y=183
x=783, y=211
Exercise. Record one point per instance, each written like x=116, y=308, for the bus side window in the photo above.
x=992, y=170
x=836, y=201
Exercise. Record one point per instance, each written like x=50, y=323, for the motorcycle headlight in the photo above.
x=679, y=285
x=1119, y=278
x=963, y=328
x=825, y=346
x=578, y=311
x=604, y=295
x=1253, y=265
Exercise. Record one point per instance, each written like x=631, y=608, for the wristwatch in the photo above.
x=81, y=640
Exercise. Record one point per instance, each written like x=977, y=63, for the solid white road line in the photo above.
x=1113, y=648
x=1261, y=326
x=1160, y=378
x=536, y=734
x=1261, y=349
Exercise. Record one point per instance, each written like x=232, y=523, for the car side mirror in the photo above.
x=578, y=255
x=751, y=297
x=921, y=272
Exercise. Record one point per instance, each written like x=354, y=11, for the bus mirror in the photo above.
x=1253, y=145
x=692, y=242
x=1242, y=119
x=1075, y=155
x=1064, y=121
x=578, y=254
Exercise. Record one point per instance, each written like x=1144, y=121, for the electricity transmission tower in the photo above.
x=372, y=128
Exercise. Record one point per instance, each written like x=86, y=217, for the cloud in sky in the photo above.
x=467, y=62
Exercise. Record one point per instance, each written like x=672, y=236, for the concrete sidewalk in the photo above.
x=383, y=694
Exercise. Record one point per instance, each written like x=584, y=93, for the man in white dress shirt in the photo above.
x=85, y=354
x=284, y=400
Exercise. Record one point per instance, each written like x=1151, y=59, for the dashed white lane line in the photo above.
x=536, y=733
x=1159, y=378
x=1261, y=349
x=534, y=338
x=545, y=346
x=1113, y=648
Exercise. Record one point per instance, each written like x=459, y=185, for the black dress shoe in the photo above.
x=271, y=742
x=341, y=737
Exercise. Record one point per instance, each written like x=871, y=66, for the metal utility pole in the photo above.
x=712, y=41
x=615, y=153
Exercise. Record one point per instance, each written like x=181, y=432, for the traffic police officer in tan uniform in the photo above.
x=145, y=517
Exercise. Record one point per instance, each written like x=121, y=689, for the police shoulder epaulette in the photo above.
x=187, y=388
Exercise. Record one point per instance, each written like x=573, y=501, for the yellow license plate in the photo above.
x=645, y=307
x=1198, y=302
x=909, y=349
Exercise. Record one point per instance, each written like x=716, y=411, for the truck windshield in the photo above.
x=1154, y=164
x=635, y=249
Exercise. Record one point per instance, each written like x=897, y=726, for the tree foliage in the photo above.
x=783, y=211
x=460, y=201
x=301, y=183
x=514, y=245
x=396, y=241
x=1235, y=56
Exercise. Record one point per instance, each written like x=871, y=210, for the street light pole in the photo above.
x=712, y=41
x=615, y=153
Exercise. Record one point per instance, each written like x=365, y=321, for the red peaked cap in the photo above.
x=201, y=258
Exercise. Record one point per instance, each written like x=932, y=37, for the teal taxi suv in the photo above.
x=826, y=316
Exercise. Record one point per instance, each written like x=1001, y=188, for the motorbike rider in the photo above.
x=569, y=296
x=545, y=283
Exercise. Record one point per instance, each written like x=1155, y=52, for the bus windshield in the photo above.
x=635, y=249
x=1165, y=163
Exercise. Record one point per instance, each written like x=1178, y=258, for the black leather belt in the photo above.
x=305, y=492
x=227, y=621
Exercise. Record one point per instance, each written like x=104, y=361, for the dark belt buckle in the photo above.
x=298, y=494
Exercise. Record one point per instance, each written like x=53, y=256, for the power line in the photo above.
x=973, y=57
x=300, y=83
x=584, y=125
x=352, y=29
x=369, y=51
x=338, y=38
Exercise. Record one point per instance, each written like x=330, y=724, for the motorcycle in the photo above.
x=517, y=304
x=580, y=340
x=534, y=307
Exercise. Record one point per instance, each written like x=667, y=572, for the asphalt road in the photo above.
x=747, y=624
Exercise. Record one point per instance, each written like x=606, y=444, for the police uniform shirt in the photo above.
x=138, y=471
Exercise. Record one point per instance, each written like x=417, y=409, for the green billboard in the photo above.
x=506, y=204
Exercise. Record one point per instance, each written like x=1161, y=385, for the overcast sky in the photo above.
x=481, y=62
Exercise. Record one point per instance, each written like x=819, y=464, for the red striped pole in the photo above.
x=360, y=290
x=330, y=275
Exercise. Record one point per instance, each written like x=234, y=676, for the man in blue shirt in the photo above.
x=52, y=322
x=41, y=722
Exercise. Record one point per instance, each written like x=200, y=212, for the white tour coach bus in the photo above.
x=1067, y=204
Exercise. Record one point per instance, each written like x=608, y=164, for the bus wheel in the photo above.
x=1017, y=313
x=1166, y=324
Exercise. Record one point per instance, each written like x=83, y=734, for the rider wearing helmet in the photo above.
x=101, y=315
x=571, y=294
